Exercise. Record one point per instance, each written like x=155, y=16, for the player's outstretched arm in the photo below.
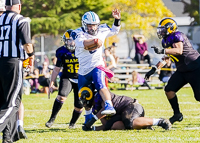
x=116, y=14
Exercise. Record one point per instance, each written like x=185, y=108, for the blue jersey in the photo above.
x=68, y=61
x=189, y=60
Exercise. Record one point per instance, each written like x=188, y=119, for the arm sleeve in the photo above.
x=59, y=59
x=24, y=31
x=114, y=30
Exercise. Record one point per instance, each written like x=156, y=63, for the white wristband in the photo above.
x=95, y=117
x=163, y=62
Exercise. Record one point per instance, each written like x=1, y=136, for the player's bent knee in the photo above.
x=78, y=109
x=61, y=98
x=170, y=94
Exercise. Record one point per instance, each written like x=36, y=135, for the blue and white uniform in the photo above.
x=90, y=60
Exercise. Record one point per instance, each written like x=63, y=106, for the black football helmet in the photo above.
x=68, y=40
x=166, y=27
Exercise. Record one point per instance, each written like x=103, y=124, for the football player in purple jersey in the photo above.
x=177, y=46
x=129, y=113
x=68, y=81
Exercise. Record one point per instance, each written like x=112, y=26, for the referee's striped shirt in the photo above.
x=14, y=33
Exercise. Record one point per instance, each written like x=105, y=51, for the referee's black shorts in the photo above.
x=179, y=79
x=65, y=87
x=10, y=90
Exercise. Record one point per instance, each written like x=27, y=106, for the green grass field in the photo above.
x=38, y=110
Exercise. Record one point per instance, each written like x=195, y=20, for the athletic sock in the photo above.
x=155, y=121
x=75, y=116
x=56, y=108
x=109, y=101
x=20, y=122
x=174, y=104
x=87, y=112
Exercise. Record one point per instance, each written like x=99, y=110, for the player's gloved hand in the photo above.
x=90, y=122
x=158, y=50
x=85, y=128
x=149, y=73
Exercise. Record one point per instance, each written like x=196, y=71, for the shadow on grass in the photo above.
x=51, y=130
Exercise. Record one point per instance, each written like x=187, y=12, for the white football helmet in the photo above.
x=91, y=18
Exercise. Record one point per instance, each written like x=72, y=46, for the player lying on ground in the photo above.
x=129, y=113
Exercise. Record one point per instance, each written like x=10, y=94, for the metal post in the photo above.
x=42, y=49
x=199, y=12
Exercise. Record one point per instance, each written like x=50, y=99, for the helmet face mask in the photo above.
x=161, y=32
x=68, y=41
x=166, y=27
x=90, y=22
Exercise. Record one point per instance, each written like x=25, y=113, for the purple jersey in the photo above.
x=189, y=60
x=68, y=61
x=119, y=102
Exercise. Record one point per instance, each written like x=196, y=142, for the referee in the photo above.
x=15, y=42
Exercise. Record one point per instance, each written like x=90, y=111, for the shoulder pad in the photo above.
x=178, y=36
x=60, y=51
x=76, y=32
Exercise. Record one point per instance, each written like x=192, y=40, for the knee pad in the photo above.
x=79, y=104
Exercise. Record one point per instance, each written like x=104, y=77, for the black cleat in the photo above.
x=165, y=124
x=149, y=128
x=7, y=141
x=176, y=117
x=72, y=126
x=49, y=123
x=21, y=132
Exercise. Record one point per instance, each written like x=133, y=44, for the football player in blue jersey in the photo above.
x=89, y=41
x=177, y=46
x=69, y=79
x=129, y=113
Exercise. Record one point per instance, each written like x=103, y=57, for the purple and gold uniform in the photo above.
x=188, y=65
x=68, y=61
x=189, y=60
x=125, y=107
x=69, y=77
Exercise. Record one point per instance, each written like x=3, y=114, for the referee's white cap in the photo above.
x=2, y=5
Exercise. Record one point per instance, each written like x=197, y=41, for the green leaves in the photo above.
x=192, y=9
x=56, y=16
